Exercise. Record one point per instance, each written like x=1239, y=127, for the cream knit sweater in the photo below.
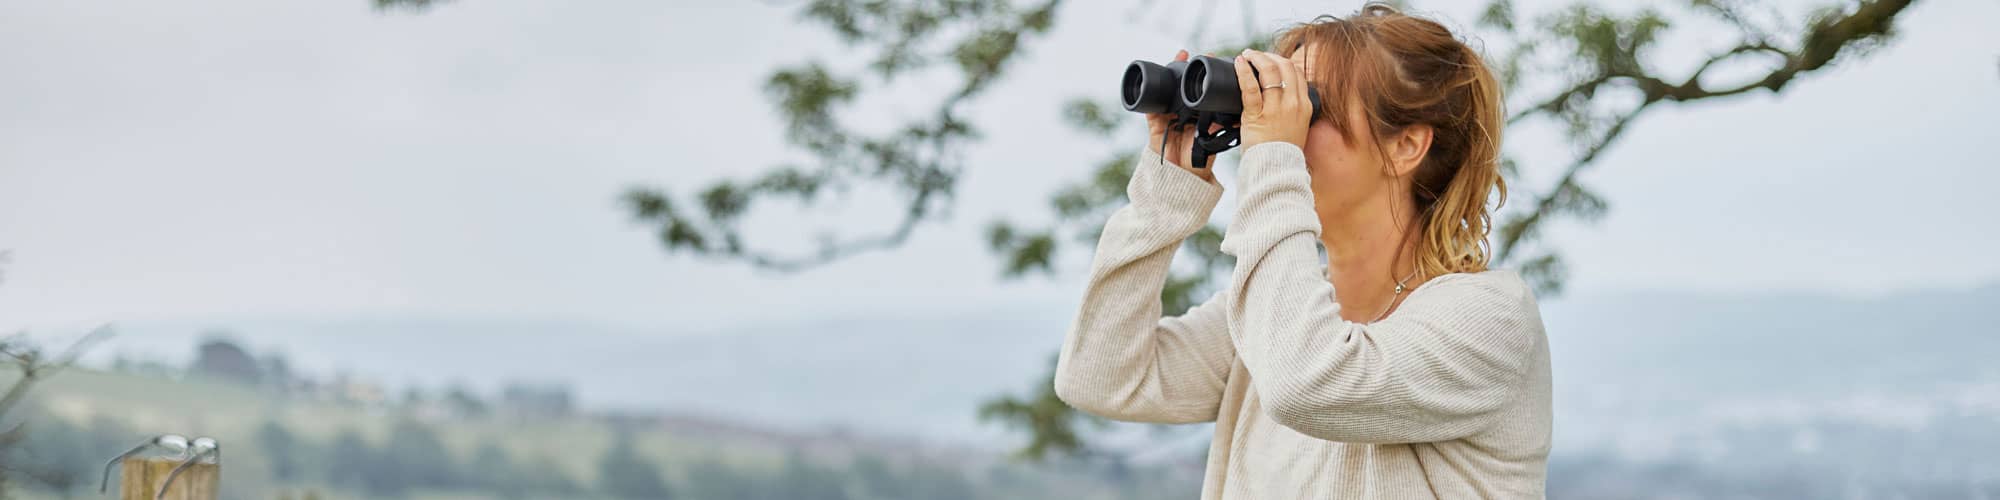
x=1448, y=397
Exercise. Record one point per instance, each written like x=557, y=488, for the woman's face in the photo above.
x=1347, y=175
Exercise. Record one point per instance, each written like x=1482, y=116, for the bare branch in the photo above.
x=35, y=366
x=913, y=215
x=76, y=349
x=1733, y=52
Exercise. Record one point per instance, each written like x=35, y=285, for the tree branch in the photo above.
x=1546, y=204
x=35, y=366
x=1821, y=44
x=927, y=179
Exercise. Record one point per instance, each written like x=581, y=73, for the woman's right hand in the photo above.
x=1179, y=147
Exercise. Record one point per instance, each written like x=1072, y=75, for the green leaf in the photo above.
x=1499, y=14
x=648, y=204
x=724, y=202
x=1545, y=273
x=999, y=235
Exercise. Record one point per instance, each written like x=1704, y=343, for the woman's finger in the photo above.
x=1271, y=73
x=1299, y=59
x=1253, y=98
x=1295, y=83
x=1268, y=74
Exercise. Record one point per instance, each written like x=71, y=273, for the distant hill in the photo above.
x=1783, y=379
x=916, y=376
x=724, y=458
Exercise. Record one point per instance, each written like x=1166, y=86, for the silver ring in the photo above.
x=1280, y=85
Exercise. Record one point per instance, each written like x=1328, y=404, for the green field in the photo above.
x=142, y=406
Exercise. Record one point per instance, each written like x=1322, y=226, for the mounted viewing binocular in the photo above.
x=1200, y=91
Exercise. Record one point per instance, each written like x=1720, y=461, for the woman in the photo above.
x=1399, y=368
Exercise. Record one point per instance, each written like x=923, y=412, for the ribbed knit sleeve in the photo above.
x=1440, y=368
x=1121, y=360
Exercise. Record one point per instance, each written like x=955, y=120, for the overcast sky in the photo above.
x=240, y=158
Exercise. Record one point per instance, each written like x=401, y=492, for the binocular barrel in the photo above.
x=1151, y=88
x=1202, y=83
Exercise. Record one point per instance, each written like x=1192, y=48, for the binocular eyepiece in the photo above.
x=1200, y=84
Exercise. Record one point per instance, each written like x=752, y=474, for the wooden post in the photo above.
x=139, y=478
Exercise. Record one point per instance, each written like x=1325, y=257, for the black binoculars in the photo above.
x=1200, y=91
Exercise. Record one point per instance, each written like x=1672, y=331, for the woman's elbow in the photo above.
x=1108, y=400
x=1069, y=389
x=1375, y=418
x=1321, y=422
x=1088, y=398
x=1333, y=415
x=1299, y=411
x=1078, y=389
x=1308, y=394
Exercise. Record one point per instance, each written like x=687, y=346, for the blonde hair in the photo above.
x=1406, y=71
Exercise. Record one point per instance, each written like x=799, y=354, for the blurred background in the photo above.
x=826, y=249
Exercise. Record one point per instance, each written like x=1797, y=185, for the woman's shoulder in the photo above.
x=1495, y=287
x=1494, y=308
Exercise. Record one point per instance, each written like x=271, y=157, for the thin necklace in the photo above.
x=1401, y=286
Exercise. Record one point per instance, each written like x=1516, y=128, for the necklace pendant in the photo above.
x=1399, y=289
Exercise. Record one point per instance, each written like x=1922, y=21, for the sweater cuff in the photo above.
x=1171, y=191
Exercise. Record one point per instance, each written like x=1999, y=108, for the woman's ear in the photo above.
x=1408, y=148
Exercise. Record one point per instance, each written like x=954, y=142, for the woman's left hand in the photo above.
x=1280, y=114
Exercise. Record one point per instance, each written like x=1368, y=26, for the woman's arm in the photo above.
x=1440, y=368
x=1121, y=360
